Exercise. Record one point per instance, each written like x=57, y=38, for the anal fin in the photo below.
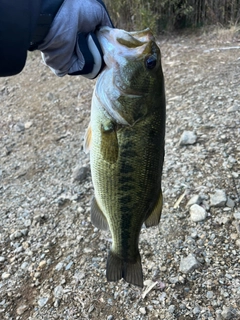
x=154, y=217
x=97, y=217
x=131, y=272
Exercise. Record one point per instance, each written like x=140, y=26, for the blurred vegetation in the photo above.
x=168, y=15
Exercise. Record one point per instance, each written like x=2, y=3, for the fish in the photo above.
x=125, y=138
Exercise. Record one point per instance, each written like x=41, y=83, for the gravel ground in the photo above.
x=52, y=260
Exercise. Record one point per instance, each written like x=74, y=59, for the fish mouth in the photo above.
x=118, y=45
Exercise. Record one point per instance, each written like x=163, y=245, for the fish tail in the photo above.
x=117, y=269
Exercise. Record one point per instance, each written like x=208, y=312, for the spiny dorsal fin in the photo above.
x=154, y=217
x=97, y=217
x=87, y=139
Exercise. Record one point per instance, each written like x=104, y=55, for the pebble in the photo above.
x=196, y=310
x=173, y=280
x=210, y=294
x=187, y=137
x=218, y=199
x=19, y=127
x=68, y=266
x=2, y=259
x=58, y=292
x=238, y=242
x=197, y=213
x=143, y=310
x=237, y=215
x=15, y=235
x=171, y=308
x=28, y=124
x=43, y=301
x=196, y=199
x=188, y=264
x=5, y=275
x=110, y=317
x=234, y=107
x=24, y=265
x=80, y=173
x=228, y=312
x=21, y=309
x=42, y=264
x=230, y=203
x=59, y=266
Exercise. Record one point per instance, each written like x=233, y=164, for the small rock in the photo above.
x=218, y=199
x=188, y=264
x=171, y=308
x=237, y=215
x=110, y=317
x=2, y=259
x=143, y=310
x=15, y=235
x=235, y=107
x=210, y=294
x=228, y=312
x=230, y=203
x=58, y=292
x=59, y=266
x=173, y=280
x=28, y=124
x=5, y=275
x=19, y=126
x=80, y=174
x=234, y=236
x=196, y=310
x=148, y=283
x=187, y=137
x=238, y=243
x=235, y=175
x=42, y=301
x=68, y=266
x=197, y=213
x=194, y=234
x=21, y=309
x=24, y=265
x=196, y=199
x=42, y=264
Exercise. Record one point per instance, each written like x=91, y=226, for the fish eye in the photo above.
x=151, y=62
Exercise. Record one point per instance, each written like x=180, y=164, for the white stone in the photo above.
x=218, y=199
x=187, y=137
x=197, y=213
x=188, y=264
x=143, y=310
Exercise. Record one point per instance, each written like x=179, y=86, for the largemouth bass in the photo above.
x=126, y=142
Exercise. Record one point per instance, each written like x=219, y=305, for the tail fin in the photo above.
x=117, y=269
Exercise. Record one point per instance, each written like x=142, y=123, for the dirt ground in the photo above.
x=53, y=261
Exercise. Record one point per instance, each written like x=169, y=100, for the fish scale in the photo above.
x=126, y=142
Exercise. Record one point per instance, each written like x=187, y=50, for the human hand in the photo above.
x=71, y=46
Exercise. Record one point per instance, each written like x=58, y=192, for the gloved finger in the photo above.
x=90, y=49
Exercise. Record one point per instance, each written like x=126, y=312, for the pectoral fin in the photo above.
x=109, y=142
x=87, y=139
x=154, y=218
x=97, y=217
